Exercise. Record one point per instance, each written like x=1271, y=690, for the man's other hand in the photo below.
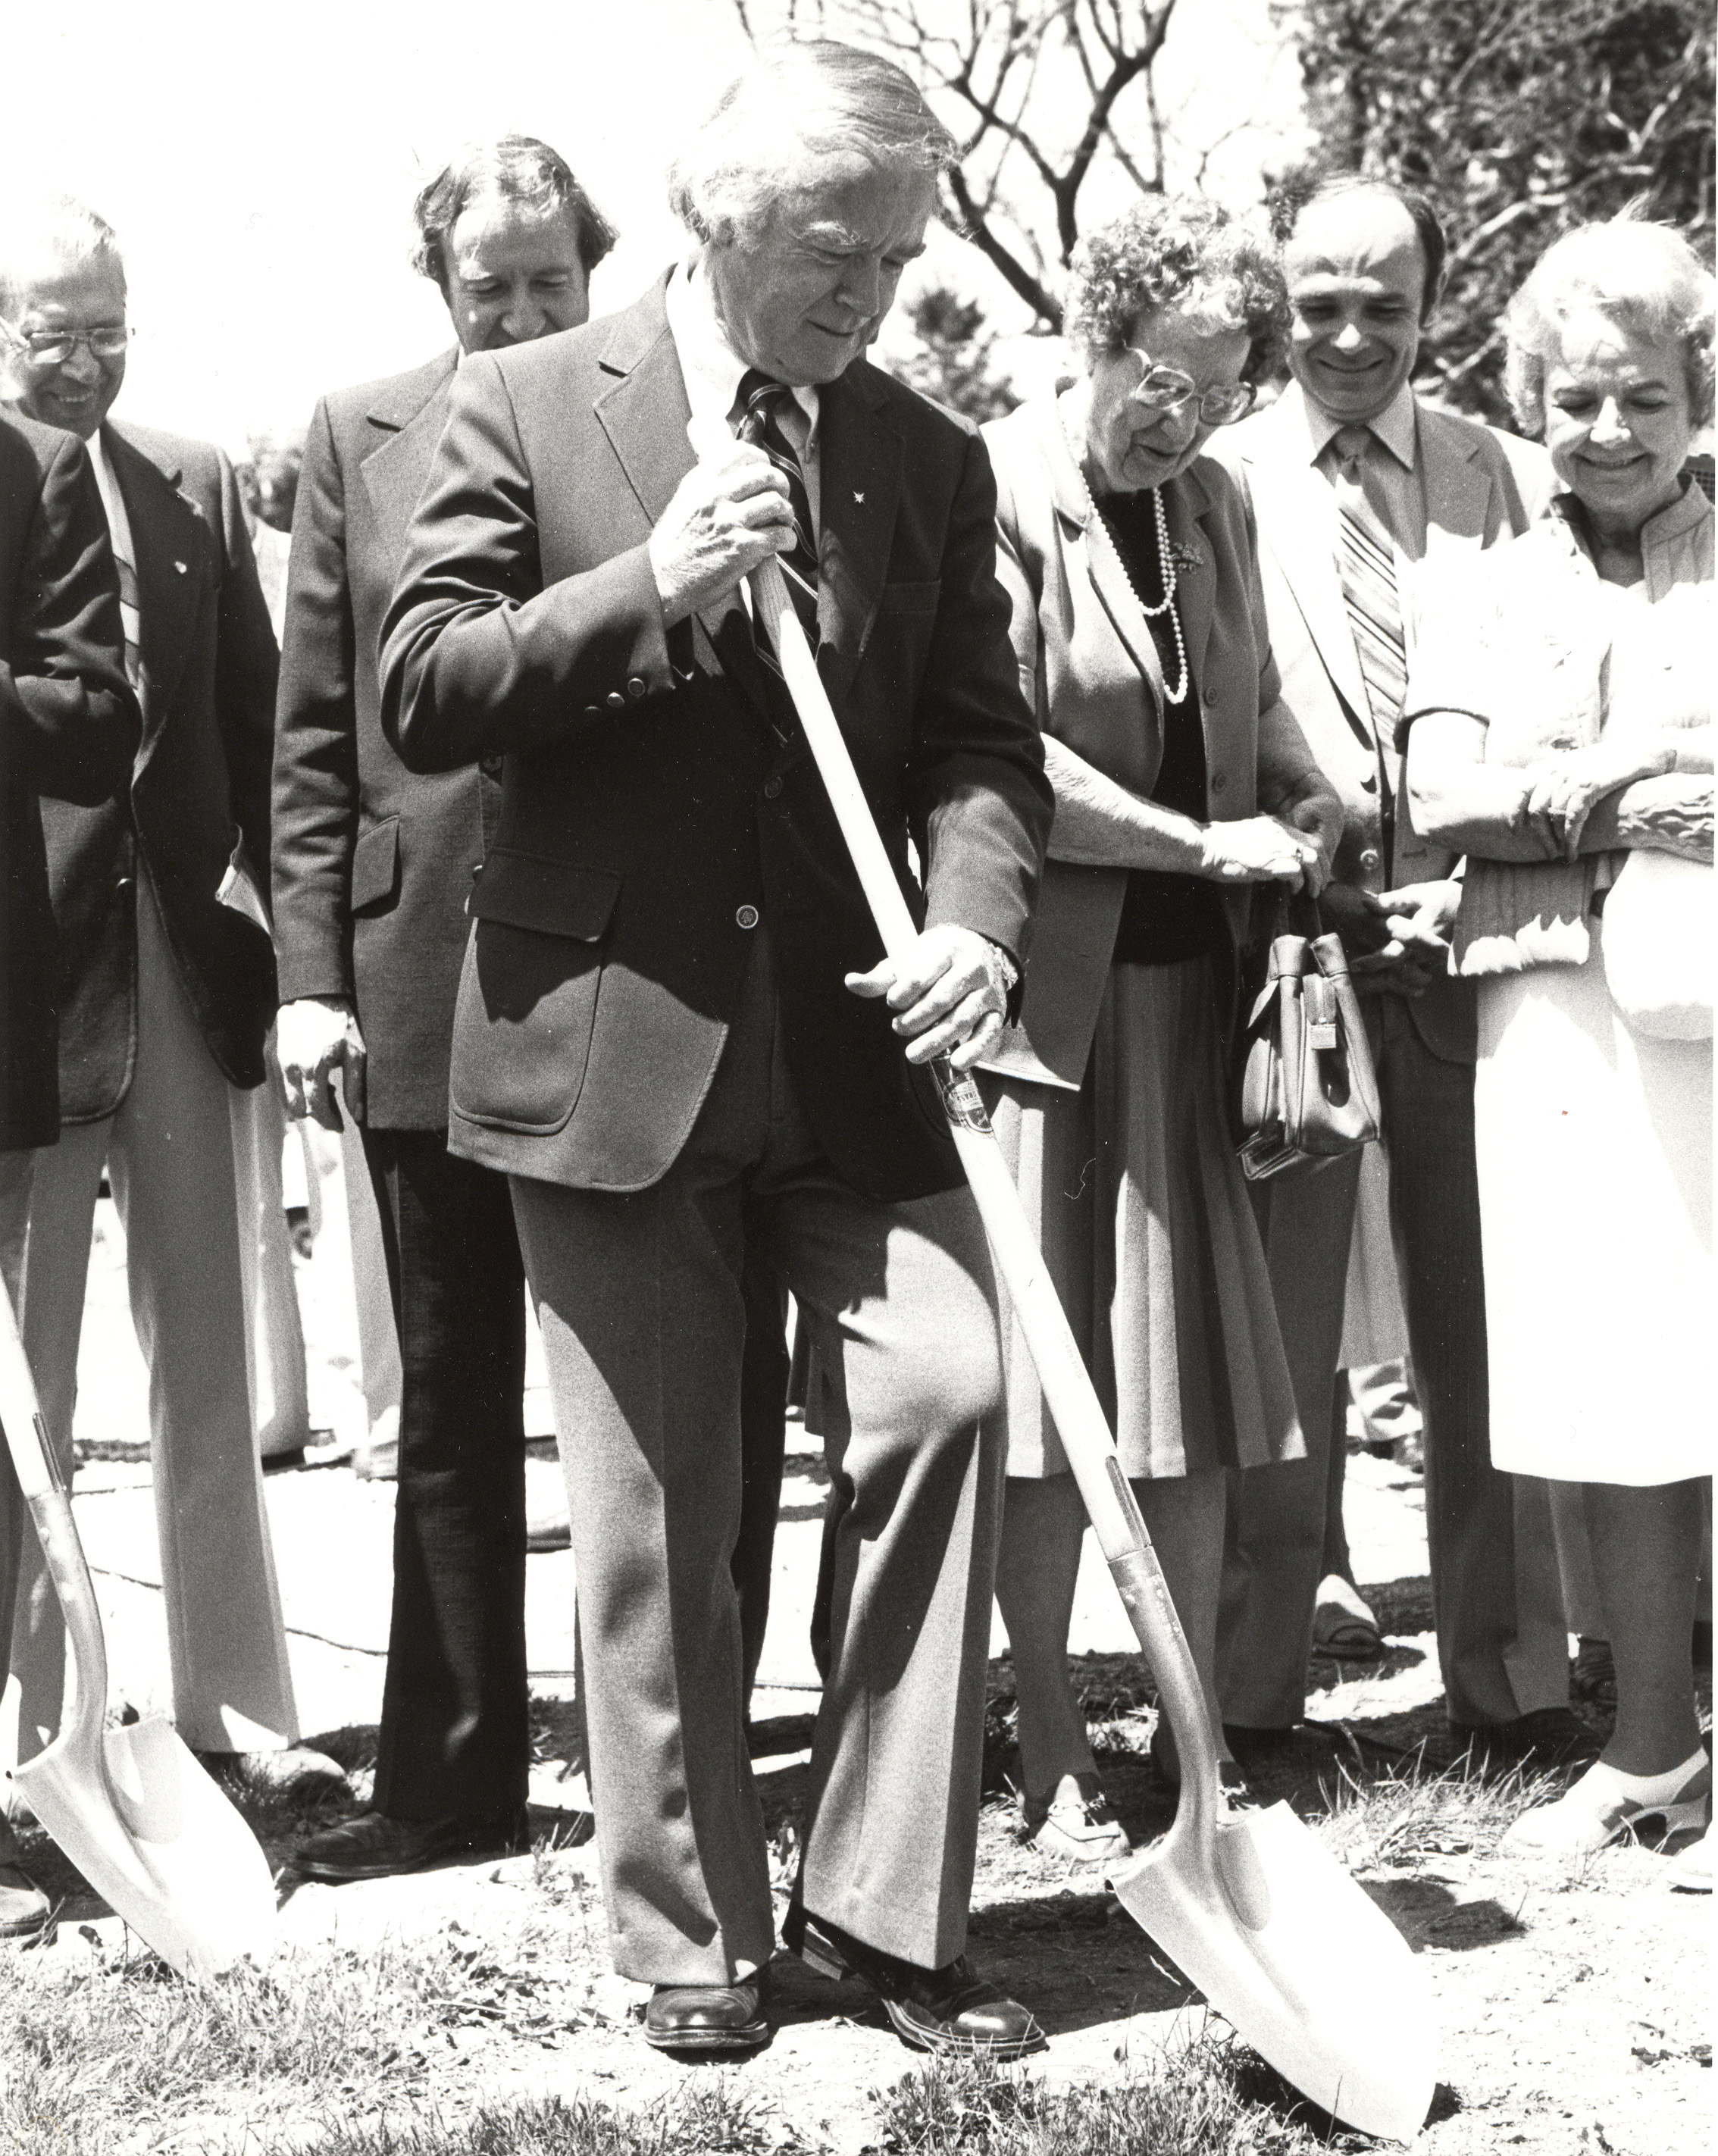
x=726, y=516
x=950, y=995
x=312, y=1039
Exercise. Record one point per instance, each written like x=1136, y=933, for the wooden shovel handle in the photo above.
x=1079, y=1418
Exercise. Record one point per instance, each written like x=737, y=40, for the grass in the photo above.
x=1212, y=2098
x=1407, y=1813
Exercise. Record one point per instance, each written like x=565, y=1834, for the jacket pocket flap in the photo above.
x=530, y=891
x=376, y=865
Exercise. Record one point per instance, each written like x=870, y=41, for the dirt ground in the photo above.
x=1574, y=2011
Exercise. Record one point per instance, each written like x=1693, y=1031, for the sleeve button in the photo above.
x=615, y=700
x=637, y=687
x=773, y=790
x=746, y=917
x=491, y=766
x=594, y=711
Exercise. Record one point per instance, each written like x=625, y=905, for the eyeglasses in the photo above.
x=1165, y=389
x=54, y=347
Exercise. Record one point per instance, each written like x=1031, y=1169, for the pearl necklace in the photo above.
x=1165, y=570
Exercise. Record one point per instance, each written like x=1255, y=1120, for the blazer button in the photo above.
x=1219, y=779
x=122, y=886
x=746, y=917
x=1369, y=782
x=1210, y=698
x=594, y=711
x=773, y=790
x=492, y=767
x=615, y=700
x=638, y=687
x=1369, y=858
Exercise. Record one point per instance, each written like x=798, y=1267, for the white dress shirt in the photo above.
x=119, y=536
x=713, y=371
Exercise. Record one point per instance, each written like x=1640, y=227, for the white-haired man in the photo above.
x=165, y=994
x=654, y=1041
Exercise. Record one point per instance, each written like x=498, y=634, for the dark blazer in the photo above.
x=199, y=784
x=1482, y=487
x=69, y=727
x=372, y=862
x=1091, y=668
x=649, y=813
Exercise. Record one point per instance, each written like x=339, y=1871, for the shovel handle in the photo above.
x=1079, y=1419
x=51, y=1509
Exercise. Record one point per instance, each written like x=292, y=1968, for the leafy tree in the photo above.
x=1519, y=119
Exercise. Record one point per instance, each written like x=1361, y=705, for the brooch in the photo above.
x=1184, y=557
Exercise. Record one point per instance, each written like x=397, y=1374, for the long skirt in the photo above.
x=1595, y=1159
x=1142, y=1213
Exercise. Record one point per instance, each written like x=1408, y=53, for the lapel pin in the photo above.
x=858, y=497
x=180, y=567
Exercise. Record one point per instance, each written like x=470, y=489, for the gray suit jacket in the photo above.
x=373, y=864
x=1481, y=487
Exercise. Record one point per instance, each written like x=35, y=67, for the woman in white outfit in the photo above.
x=1562, y=734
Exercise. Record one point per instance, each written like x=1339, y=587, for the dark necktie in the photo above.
x=758, y=418
x=1367, y=564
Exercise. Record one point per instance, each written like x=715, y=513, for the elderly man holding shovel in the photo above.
x=675, y=1036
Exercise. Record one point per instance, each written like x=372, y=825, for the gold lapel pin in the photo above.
x=858, y=497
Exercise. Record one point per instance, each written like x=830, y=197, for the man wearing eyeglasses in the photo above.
x=1356, y=484
x=166, y=988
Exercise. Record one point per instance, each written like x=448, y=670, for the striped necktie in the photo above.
x=131, y=620
x=1367, y=562
x=758, y=418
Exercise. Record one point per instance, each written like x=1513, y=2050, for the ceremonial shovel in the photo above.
x=131, y=1808
x=1283, y=1944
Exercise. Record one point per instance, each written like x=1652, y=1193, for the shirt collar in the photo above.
x=1396, y=427
x=712, y=368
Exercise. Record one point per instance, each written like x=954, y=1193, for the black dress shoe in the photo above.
x=1549, y=1737
x=710, y=2017
x=951, y=2012
x=374, y=1846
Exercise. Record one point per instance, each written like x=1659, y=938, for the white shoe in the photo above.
x=1606, y=1803
x=1076, y=1823
x=1691, y=1870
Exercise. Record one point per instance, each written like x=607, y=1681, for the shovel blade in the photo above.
x=160, y=1843
x=1288, y=1948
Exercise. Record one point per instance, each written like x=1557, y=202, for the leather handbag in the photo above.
x=1308, y=1090
x=1660, y=938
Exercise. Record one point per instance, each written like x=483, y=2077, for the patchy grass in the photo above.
x=1212, y=2098
x=123, y=2047
x=706, y=2116
x=1407, y=1813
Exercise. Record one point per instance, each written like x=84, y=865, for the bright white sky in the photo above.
x=260, y=163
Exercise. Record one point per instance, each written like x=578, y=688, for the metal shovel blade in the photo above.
x=1286, y=1946
x=159, y=1842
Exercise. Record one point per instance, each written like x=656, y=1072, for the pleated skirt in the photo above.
x=1142, y=1214
x=1594, y=1149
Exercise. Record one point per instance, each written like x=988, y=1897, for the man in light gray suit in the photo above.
x=1355, y=482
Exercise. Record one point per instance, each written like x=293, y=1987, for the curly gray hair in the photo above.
x=1170, y=248
x=791, y=105
x=1644, y=276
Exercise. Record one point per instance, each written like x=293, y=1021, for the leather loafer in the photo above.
x=24, y=1906
x=374, y=1846
x=708, y=2018
x=1549, y=1737
x=951, y=2011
